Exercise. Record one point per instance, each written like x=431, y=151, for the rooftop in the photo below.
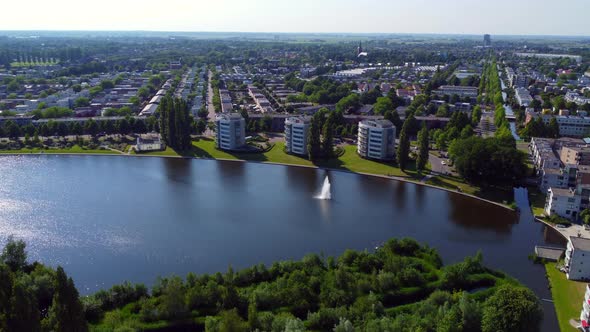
x=229, y=116
x=562, y=192
x=580, y=243
x=377, y=123
x=299, y=119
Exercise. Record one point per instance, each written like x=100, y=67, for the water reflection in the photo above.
x=420, y=192
x=302, y=179
x=177, y=170
x=399, y=198
x=232, y=173
x=551, y=236
x=474, y=214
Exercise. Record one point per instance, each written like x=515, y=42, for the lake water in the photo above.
x=111, y=219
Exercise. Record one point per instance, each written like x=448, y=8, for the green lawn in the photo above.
x=166, y=153
x=74, y=149
x=568, y=296
x=537, y=200
x=495, y=194
x=349, y=161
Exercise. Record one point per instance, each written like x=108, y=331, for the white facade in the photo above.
x=585, y=314
x=376, y=139
x=461, y=91
x=577, y=258
x=231, y=131
x=523, y=97
x=296, y=135
x=149, y=144
x=571, y=126
x=563, y=202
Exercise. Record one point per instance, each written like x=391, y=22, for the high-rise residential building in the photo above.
x=487, y=40
x=231, y=131
x=296, y=134
x=569, y=125
x=376, y=139
x=577, y=264
x=585, y=314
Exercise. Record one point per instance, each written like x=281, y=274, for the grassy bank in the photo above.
x=349, y=161
x=76, y=149
x=567, y=295
x=537, y=200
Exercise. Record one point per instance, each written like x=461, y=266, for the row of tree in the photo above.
x=488, y=161
x=321, y=135
x=175, y=123
x=536, y=127
x=91, y=127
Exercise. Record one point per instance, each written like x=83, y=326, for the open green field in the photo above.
x=568, y=297
x=76, y=149
x=349, y=161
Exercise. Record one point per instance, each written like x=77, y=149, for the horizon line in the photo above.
x=293, y=32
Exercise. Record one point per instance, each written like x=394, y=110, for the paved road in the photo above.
x=210, y=106
x=209, y=101
x=437, y=166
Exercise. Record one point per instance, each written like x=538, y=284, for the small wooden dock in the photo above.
x=549, y=253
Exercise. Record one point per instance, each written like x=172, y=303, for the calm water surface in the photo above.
x=111, y=219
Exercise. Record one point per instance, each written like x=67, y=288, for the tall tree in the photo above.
x=14, y=254
x=24, y=309
x=423, y=145
x=175, y=123
x=90, y=128
x=393, y=116
x=476, y=115
x=66, y=313
x=314, y=140
x=403, y=149
x=512, y=309
x=328, y=137
x=553, y=128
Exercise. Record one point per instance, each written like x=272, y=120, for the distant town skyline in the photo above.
x=501, y=17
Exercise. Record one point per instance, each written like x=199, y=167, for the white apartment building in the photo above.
x=461, y=91
x=571, y=126
x=296, y=134
x=231, y=131
x=577, y=258
x=523, y=97
x=376, y=139
x=585, y=314
x=563, y=202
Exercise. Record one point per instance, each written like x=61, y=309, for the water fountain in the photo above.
x=325, y=194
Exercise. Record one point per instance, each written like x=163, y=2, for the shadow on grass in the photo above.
x=500, y=194
x=250, y=156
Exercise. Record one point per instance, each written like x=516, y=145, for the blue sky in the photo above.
x=539, y=17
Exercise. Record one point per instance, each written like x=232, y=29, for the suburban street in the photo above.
x=437, y=166
x=209, y=101
x=210, y=106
